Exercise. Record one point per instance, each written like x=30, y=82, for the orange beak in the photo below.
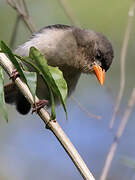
x=100, y=73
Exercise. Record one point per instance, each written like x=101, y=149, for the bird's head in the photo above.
x=95, y=53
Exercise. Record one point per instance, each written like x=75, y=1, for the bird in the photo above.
x=74, y=50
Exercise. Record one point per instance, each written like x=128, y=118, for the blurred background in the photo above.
x=28, y=150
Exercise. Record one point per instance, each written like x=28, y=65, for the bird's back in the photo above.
x=56, y=42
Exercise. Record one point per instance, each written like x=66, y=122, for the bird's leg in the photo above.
x=40, y=104
x=14, y=74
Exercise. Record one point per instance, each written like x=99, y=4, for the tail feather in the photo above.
x=11, y=92
x=14, y=96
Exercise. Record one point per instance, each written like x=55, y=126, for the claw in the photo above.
x=14, y=74
x=40, y=104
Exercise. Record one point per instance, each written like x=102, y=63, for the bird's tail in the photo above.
x=14, y=96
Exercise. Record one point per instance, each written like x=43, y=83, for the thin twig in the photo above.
x=22, y=11
x=14, y=33
x=90, y=115
x=51, y=124
x=68, y=11
x=122, y=64
x=20, y=6
x=25, y=8
x=119, y=133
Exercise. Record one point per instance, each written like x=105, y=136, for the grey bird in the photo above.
x=73, y=50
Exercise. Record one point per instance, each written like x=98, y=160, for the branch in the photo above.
x=89, y=114
x=45, y=116
x=119, y=133
x=23, y=12
x=52, y=125
x=122, y=64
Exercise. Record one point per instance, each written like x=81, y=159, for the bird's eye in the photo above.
x=98, y=55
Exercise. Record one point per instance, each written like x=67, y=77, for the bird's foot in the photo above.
x=14, y=74
x=40, y=104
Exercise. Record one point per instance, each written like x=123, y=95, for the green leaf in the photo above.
x=59, y=80
x=31, y=78
x=3, y=108
x=27, y=60
x=11, y=56
x=54, y=80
